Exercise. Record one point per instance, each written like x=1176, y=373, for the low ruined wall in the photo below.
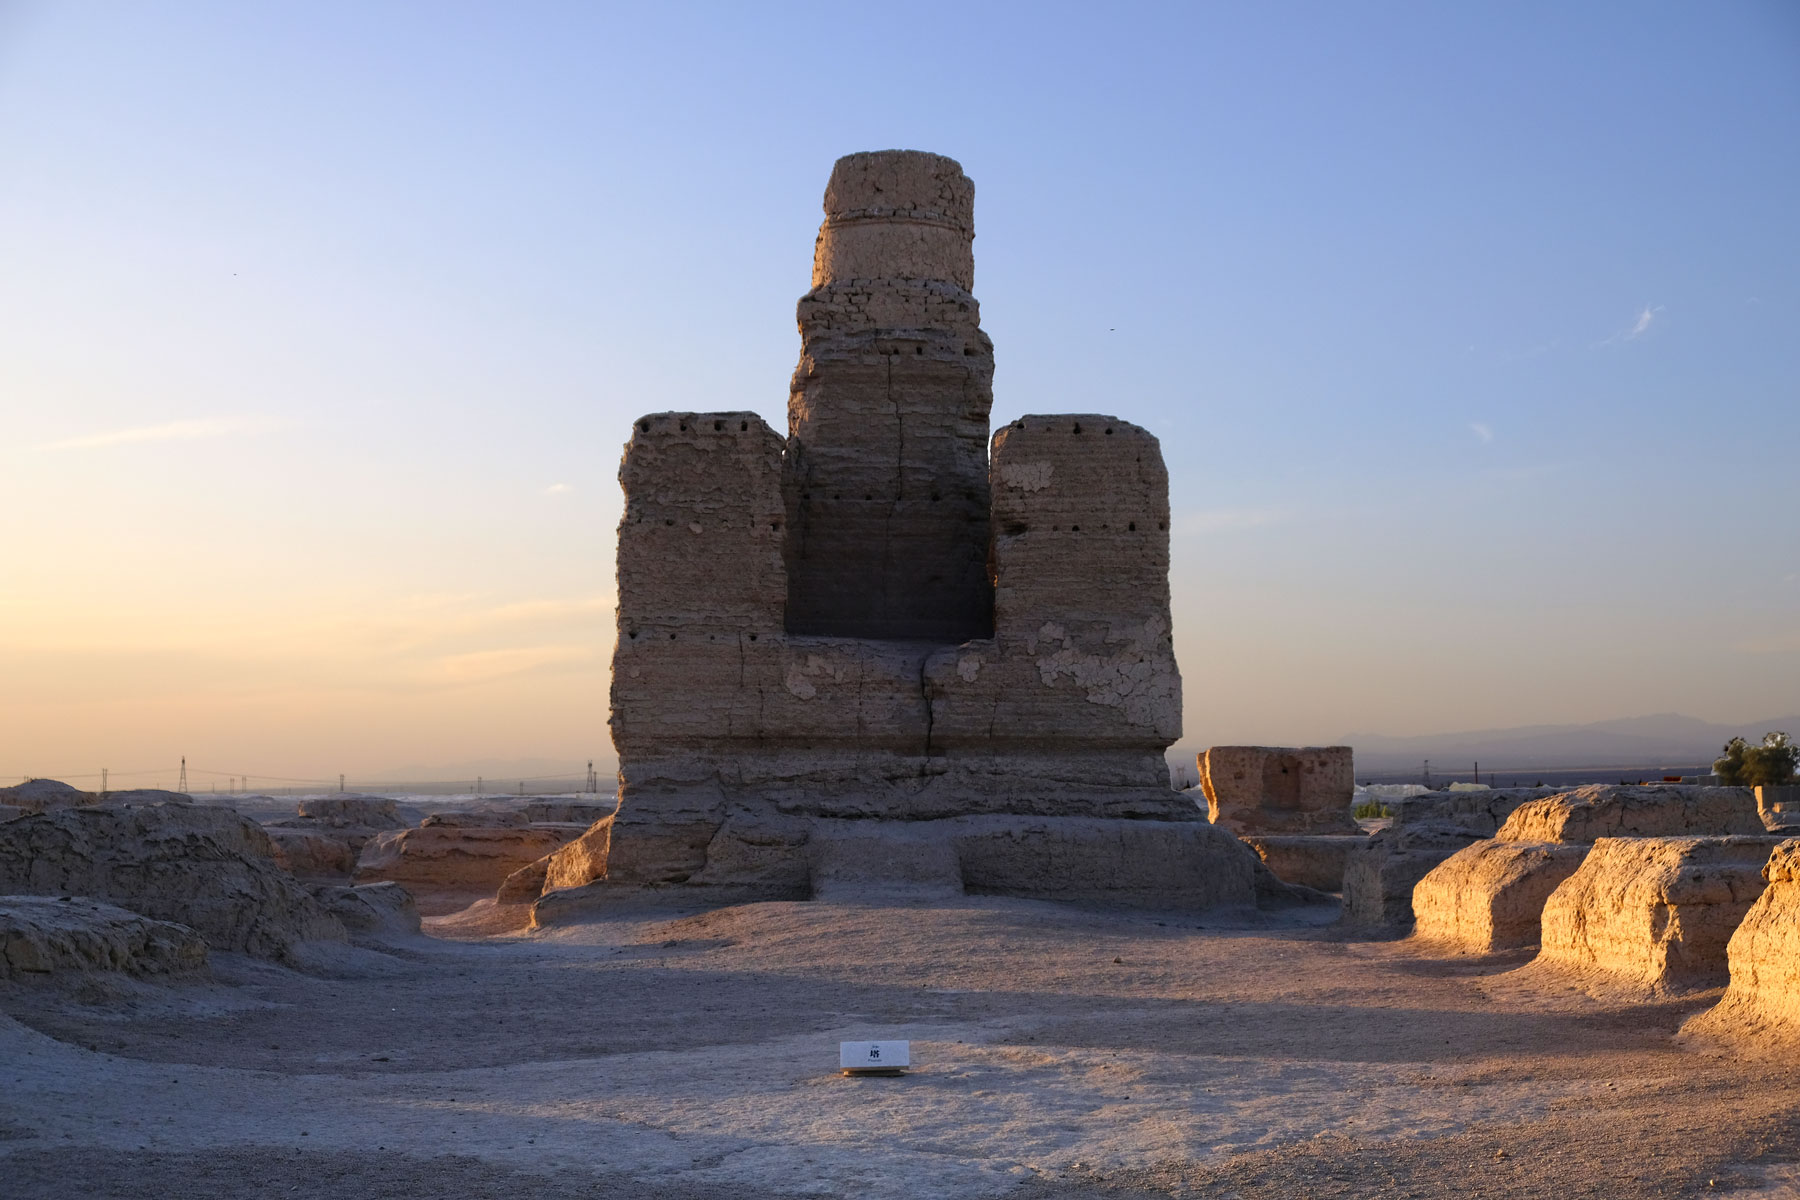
x=1427, y=830
x=1606, y=810
x=1279, y=789
x=1655, y=912
x=1148, y=864
x=1161, y=865
x=1381, y=872
x=1490, y=896
x=1762, y=1002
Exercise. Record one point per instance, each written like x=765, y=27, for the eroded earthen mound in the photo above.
x=203, y=867
x=351, y=811
x=1490, y=896
x=305, y=854
x=370, y=908
x=40, y=795
x=1655, y=912
x=42, y=936
x=326, y=834
x=459, y=852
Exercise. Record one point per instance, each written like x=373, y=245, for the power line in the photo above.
x=242, y=778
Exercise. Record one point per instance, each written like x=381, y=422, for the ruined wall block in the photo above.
x=700, y=538
x=701, y=581
x=1655, y=912
x=1279, y=789
x=1081, y=600
x=1490, y=896
x=1081, y=523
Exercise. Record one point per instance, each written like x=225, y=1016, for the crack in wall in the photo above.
x=925, y=698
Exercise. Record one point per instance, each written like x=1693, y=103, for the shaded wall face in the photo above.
x=887, y=493
x=1281, y=781
x=885, y=477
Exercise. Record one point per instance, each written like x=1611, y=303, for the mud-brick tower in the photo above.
x=885, y=475
x=886, y=645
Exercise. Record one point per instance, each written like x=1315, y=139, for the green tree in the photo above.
x=1773, y=762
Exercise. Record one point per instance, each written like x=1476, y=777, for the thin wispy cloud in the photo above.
x=1639, y=326
x=558, y=489
x=1482, y=431
x=172, y=431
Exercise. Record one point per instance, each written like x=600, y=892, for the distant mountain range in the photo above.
x=1664, y=739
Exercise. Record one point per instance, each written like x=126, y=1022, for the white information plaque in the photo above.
x=868, y=1057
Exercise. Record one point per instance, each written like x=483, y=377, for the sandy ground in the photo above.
x=1059, y=1053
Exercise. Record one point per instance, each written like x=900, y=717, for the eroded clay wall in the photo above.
x=1655, y=911
x=1081, y=524
x=1082, y=660
x=701, y=580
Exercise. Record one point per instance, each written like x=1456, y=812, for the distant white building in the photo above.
x=1384, y=792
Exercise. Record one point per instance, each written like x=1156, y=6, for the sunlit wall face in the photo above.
x=1468, y=337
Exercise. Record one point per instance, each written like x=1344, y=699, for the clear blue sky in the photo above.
x=1469, y=330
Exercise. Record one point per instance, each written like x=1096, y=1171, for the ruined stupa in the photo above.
x=878, y=649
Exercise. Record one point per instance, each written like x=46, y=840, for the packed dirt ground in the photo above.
x=1058, y=1052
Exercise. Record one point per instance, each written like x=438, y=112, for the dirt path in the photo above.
x=1060, y=1053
